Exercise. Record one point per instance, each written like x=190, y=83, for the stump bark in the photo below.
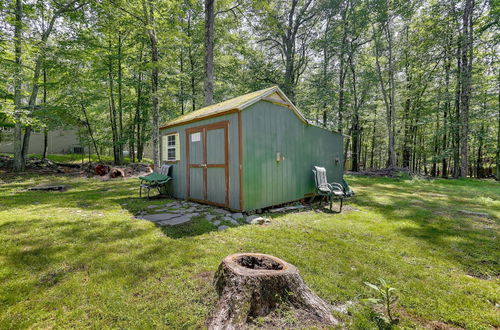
x=253, y=284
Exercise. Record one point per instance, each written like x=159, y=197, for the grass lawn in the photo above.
x=79, y=259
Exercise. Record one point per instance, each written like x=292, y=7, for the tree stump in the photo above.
x=116, y=173
x=253, y=284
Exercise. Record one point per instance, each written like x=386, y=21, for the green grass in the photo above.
x=79, y=259
x=77, y=158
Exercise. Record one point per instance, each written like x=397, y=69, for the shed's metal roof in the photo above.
x=235, y=104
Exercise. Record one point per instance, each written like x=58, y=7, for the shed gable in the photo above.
x=272, y=94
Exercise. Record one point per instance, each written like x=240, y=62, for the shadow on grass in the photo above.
x=195, y=227
x=467, y=239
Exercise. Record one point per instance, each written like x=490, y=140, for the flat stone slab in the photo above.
x=237, y=216
x=222, y=211
x=177, y=220
x=169, y=219
x=252, y=217
x=287, y=208
x=159, y=217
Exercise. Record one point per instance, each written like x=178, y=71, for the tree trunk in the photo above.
x=388, y=96
x=374, y=132
x=209, y=52
x=138, y=110
x=112, y=108
x=251, y=285
x=467, y=56
x=447, y=108
x=434, y=169
x=181, y=97
x=497, y=158
x=479, y=160
x=192, y=64
x=407, y=107
x=19, y=164
x=155, y=116
x=120, y=99
x=456, y=119
x=355, y=128
x=45, y=130
x=90, y=132
x=391, y=121
x=35, y=81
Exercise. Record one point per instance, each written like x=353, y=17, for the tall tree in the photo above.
x=209, y=52
x=466, y=72
x=288, y=28
x=19, y=163
x=149, y=15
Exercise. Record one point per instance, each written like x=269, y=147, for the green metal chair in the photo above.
x=347, y=189
x=155, y=180
x=329, y=191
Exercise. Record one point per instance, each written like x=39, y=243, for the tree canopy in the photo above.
x=410, y=83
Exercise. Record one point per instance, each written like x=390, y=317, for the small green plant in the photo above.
x=387, y=298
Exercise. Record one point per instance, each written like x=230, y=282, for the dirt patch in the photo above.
x=49, y=187
x=474, y=213
x=349, y=208
x=204, y=276
x=438, y=325
x=391, y=172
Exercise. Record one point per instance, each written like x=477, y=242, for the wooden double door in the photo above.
x=207, y=150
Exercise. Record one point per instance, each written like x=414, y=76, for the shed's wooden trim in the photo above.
x=203, y=129
x=200, y=118
x=240, y=156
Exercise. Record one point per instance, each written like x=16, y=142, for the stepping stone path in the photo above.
x=178, y=212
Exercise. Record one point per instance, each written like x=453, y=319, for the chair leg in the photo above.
x=341, y=202
x=140, y=191
x=331, y=202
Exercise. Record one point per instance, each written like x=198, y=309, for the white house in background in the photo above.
x=60, y=141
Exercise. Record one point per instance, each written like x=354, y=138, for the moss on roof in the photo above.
x=234, y=103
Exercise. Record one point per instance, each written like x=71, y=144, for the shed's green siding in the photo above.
x=269, y=128
x=179, y=168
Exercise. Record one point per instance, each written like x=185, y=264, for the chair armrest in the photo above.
x=337, y=186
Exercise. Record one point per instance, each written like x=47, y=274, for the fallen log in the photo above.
x=253, y=284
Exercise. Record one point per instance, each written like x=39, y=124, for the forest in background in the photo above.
x=414, y=84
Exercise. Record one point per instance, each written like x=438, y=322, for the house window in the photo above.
x=171, y=147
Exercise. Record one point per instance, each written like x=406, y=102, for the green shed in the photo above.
x=250, y=152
